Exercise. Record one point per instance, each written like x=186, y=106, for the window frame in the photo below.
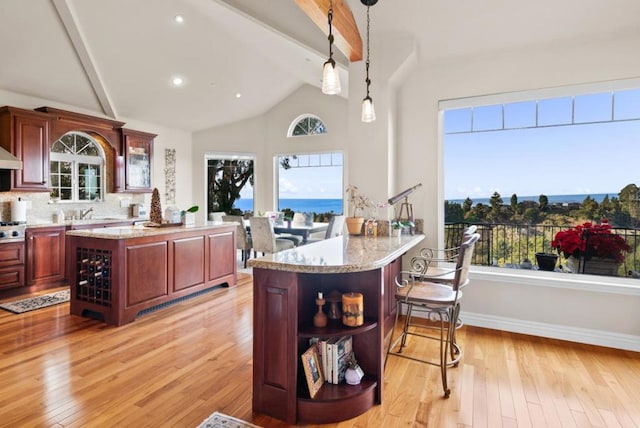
x=572, y=91
x=77, y=160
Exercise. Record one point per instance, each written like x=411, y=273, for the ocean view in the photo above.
x=335, y=205
x=299, y=205
x=553, y=199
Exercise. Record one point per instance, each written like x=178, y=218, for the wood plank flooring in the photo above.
x=175, y=366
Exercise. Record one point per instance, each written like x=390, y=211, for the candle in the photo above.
x=319, y=294
x=352, y=309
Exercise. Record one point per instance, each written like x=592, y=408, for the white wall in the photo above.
x=167, y=138
x=266, y=136
x=582, y=311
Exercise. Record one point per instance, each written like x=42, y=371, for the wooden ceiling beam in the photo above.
x=346, y=35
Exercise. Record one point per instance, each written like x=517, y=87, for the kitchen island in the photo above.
x=116, y=272
x=285, y=287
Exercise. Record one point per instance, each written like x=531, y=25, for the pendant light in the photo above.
x=330, y=76
x=368, y=110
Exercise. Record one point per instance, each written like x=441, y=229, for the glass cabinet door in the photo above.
x=138, y=152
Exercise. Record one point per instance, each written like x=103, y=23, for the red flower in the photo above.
x=590, y=240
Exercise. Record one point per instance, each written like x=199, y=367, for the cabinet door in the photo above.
x=25, y=134
x=138, y=152
x=45, y=255
x=222, y=255
x=32, y=147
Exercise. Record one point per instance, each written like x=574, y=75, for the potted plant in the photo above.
x=399, y=227
x=592, y=246
x=358, y=204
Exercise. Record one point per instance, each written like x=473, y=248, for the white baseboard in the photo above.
x=572, y=334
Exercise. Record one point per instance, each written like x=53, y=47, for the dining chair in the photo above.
x=263, y=237
x=243, y=239
x=440, y=305
x=335, y=228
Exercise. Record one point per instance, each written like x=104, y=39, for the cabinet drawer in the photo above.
x=11, y=277
x=12, y=254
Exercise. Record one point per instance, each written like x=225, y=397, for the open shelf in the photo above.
x=335, y=329
x=334, y=403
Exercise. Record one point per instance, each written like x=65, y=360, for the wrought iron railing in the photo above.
x=508, y=245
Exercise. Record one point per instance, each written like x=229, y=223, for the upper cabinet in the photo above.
x=138, y=152
x=29, y=134
x=25, y=134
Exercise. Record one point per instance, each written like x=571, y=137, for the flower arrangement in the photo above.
x=588, y=240
x=357, y=201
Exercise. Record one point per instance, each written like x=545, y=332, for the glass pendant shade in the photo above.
x=368, y=110
x=330, y=79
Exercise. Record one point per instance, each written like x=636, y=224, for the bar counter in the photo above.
x=285, y=288
x=339, y=255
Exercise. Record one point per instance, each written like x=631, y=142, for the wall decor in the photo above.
x=170, y=176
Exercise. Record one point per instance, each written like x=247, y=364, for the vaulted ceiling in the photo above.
x=117, y=57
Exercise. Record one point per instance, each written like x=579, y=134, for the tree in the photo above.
x=496, y=203
x=453, y=212
x=466, y=205
x=514, y=203
x=630, y=200
x=543, y=202
x=226, y=178
x=589, y=208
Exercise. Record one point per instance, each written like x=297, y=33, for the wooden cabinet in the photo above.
x=45, y=255
x=25, y=134
x=115, y=274
x=11, y=265
x=138, y=152
x=284, y=305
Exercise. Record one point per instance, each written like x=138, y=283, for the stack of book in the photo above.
x=335, y=353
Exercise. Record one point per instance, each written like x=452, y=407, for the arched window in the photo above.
x=77, y=168
x=307, y=124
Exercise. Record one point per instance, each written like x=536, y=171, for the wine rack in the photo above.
x=93, y=281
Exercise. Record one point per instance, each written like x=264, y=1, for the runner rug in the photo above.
x=37, y=302
x=220, y=420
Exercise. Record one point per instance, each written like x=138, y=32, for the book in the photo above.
x=331, y=344
x=321, y=344
x=341, y=353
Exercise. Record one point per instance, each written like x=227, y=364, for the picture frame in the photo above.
x=312, y=370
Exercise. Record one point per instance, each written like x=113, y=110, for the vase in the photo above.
x=353, y=375
x=354, y=225
x=593, y=266
x=546, y=261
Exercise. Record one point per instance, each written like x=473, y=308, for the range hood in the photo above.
x=9, y=161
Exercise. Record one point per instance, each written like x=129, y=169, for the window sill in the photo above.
x=582, y=282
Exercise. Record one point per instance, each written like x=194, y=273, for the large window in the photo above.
x=532, y=167
x=230, y=184
x=76, y=168
x=310, y=182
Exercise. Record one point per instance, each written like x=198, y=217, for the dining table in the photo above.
x=300, y=229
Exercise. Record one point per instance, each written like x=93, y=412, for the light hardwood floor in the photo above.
x=175, y=366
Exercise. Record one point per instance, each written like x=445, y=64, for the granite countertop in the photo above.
x=97, y=222
x=339, y=255
x=138, y=231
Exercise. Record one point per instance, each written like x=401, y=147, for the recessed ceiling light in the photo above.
x=177, y=81
x=238, y=94
x=179, y=19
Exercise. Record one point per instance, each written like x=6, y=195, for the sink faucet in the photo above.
x=84, y=213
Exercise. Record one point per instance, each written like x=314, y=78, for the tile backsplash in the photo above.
x=42, y=210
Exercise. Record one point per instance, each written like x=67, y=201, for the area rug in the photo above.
x=37, y=302
x=220, y=420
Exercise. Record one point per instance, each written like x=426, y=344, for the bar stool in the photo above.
x=440, y=303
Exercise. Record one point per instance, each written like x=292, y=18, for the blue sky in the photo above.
x=553, y=160
x=585, y=158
